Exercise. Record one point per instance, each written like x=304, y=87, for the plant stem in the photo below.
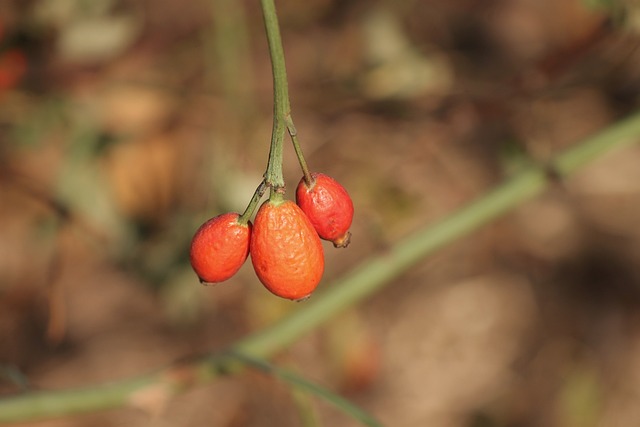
x=282, y=120
x=273, y=176
x=303, y=384
x=251, y=207
x=293, y=132
x=364, y=280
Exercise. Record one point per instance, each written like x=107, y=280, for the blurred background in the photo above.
x=125, y=124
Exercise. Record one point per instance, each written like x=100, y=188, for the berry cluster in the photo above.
x=284, y=240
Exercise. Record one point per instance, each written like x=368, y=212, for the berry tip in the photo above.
x=304, y=298
x=343, y=241
x=206, y=283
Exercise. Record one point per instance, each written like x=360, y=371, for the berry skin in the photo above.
x=286, y=251
x=328, y=206
x=219, y=248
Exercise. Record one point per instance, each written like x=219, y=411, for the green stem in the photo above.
x=273, y=176
x=364, y=280
x=303, y=384
x=41, y=405
x=251, y=207
x=293, y=132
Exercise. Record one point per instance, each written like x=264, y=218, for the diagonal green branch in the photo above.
x=363, y=281
x=301, y=383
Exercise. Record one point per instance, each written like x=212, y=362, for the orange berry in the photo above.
x=219, y=248
x=328, y=206
x=286, y=251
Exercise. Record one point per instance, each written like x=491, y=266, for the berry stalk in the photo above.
x=293, y=132
x=251, y=207
x=281, y=107
x=273, y=177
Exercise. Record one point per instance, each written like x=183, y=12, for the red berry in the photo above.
x=286, y=251
x=219, y=248
x=328, y=206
